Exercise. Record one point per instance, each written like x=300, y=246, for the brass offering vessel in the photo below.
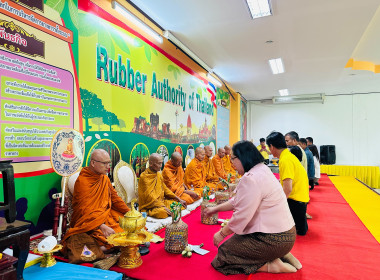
x=133, y=224
x=47, y=257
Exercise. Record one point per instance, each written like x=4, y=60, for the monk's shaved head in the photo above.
x=176, y=155
x=208, y=151
x=154, y=157
x=227, y=149
x=200, y=153
x=98, y=153
x=221, y=152
x=100, y=161
x=155, y=162
x=176, y=159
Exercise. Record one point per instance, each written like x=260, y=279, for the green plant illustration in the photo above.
x=59, y=6
x=174, y=70
x=147, y=49
x=107, y=36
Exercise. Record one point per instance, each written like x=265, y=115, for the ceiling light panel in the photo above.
x=276, y=66
x=284, y=92
x=259, y=8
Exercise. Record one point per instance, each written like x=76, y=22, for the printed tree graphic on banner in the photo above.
x=98, y=121
x=122, y=124
x=92, y=106
x=110, y=119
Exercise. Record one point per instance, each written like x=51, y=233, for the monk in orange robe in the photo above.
x=229, y=167
x=96, y=205
x=195, y=173
x=173, y=175
x=212, y=178
x=154, y=196
x=227, y=161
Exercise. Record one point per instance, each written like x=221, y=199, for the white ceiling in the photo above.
x=314, y=38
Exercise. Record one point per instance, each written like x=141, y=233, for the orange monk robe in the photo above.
x=195, y=176
x=174, y=180
x=218, y=166
x=212, y=179
x=229, y=167
x=95, y=202
x=154, y=195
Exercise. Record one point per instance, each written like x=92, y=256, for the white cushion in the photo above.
x=73, y=178
x=127, y=180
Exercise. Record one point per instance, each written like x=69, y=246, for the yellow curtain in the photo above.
x=367, y=174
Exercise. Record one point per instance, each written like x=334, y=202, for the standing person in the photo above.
x=292, y=139
x=293, y=178
x=262, y=225
x=313, y=149
x=264, y=150
x=310, y=162
x=309, y=141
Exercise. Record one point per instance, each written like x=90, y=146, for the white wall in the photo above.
x=350, y=122
x=223, y=127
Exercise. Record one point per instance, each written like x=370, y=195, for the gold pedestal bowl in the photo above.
x=133, y=224
x=47, y=257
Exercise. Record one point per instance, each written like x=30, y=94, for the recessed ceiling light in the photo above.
x=259, y=8
x=283, y=92
x=276, y=65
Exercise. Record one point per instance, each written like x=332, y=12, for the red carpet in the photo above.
x=159, y=264
x=337, y=246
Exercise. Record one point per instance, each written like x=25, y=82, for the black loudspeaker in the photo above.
x=328, y=155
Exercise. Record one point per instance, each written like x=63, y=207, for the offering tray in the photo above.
x=128, y=243
x=47, y=259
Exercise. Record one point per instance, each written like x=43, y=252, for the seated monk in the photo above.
x=195, y=173
x=154, y=196
x=96, y=205
x=173, y=178
x=229, y=168
x=217, y=161
x=212, y=178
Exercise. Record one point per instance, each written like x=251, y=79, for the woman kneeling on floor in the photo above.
x=262, y=224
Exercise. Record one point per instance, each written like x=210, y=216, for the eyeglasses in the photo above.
x=103, y=162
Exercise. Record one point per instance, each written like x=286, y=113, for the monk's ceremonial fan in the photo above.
x=66, y=157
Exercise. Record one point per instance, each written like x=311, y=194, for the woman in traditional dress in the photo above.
x=262, y=225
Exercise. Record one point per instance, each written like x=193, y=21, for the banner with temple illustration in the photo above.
x=133, y=96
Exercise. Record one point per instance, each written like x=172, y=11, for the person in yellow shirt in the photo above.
x=264, y=150
x=294, y=180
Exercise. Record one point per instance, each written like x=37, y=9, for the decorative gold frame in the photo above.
x=118, y=186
